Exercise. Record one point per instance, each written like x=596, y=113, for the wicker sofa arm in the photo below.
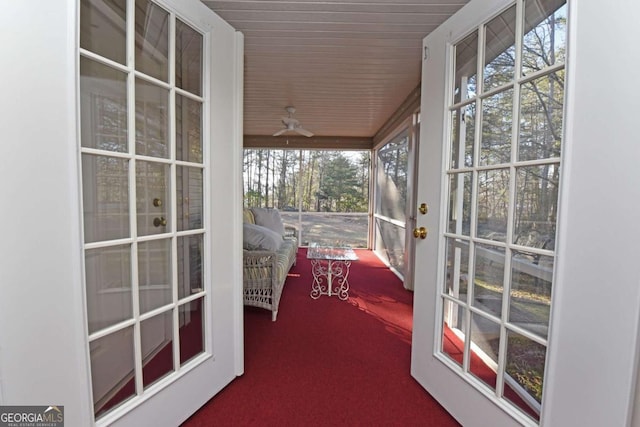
x=290, y=232
x=258, y=268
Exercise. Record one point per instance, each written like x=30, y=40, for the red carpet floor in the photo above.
x=328, y=362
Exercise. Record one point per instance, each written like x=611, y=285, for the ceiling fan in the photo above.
x=292, y=124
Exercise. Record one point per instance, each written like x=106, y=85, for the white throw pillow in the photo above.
x=256, y=237
x=270, y=218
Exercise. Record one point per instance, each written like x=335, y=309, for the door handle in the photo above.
x=423, y=208
x=420, y=233
x=162, y=221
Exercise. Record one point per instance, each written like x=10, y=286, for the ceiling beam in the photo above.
x=297, y=142
x=410, y=105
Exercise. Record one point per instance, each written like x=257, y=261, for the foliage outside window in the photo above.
x=304, y=183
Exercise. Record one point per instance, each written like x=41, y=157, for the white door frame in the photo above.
x=592, y=357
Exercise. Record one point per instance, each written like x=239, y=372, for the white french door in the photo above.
x=493, y=171
x=161, y=291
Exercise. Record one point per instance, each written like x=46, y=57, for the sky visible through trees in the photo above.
x=331, y=181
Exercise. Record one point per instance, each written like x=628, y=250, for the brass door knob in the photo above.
x=420, y=233
x=162, y=221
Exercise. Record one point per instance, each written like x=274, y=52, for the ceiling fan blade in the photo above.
x=280, y=132
x=304, y=132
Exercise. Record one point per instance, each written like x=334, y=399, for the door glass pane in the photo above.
x=156, y=334
x=493, y=204
x=188, y=129
x=152, y=124
x=488, y=283
x=531, y=280
x=154, y=274
x=462, y=137
x=102, y=28
x=453, y=331
x=108, y=276
x=460, y=186
x=189, y=197
x=152, y=40
x=190, y=271
x=541, y=116
x=524, y=373
x=105, y=197
x=191, y=320
x=497, y=120
x=103, y=107
x=545, y=39
x=188, y=58
x=537, y=206
x=466, y=56
x=485, y=345
x=457, y=269
x=112, y=369
x=153, y=198
x=500, y=50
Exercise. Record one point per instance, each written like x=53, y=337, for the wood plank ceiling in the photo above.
x=346, y=66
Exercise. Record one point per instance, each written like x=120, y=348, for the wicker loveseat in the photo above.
x=265, y=266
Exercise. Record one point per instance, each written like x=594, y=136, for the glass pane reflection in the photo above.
x=189, y=194
x=191, y=319
x=103, y=107
x=189, y=61
x=154, y=274
x=545, y=39
x=488, y=282
x=153, y=198
x=460, y=185
x=152, y=40
x=497, y=121
x=156, y=334
x=188, y=129
x=190, y=269
x=466, y=68
x=112, y=368
x=485, y=340
x=457, y=269
x=537, y=202
x=493, y=204
x=105, y=197
x=108, y=276
x=463, y=136
x=102, y=28
x=152, y=123
x=453, y=331
x=541, y=117
x=524, y=373
x=500, y=50
x=530, y=295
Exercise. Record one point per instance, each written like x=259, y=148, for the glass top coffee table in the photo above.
x=330, y=269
